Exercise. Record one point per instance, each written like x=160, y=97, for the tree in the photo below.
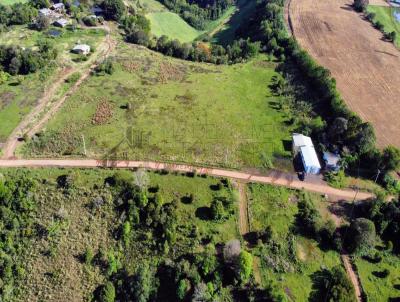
x=113, y=9
x=362, y=236
x=108, y=293
x=308, y=217
x=232, y=250
x=182, y=288
x=217, y=210
x=333, y=286
x=142, y=285
x=244, y=266
x=390, y=158
x=141, y=179
x=40, y=3
x=42, y=23
x=360, y=5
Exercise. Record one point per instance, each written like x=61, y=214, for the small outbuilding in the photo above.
x=58, y=7
x=61, y=22
x=97, y=10
x=82, y=49
x=332, y=161
x=45, y=12
x=304, y=148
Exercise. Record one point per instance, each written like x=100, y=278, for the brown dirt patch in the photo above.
x=171, y=72
x=366, y=68
x=103, y=114
x=6, y=98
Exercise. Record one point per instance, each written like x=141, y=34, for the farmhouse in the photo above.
x=58, y=7
x=61, y=22
x=45, y=12
x=303, y=147
x=81, y=49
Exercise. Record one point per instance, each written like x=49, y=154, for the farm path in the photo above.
x=321, y=188
x=352, y=275
x=244, y=227
x=365, y=66
x=45, y=109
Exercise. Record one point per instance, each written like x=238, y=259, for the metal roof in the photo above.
x=300, y=140
x=310, y=158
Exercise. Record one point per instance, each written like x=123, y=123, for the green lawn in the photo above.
x=16, y=100
x=386, y=17
x=276, y=207
x=173, y=26
x=378, y=288
x=177, y=111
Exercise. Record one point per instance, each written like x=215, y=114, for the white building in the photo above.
x=59, y=7
x=303, y=145
x=81, y=49
x=45, y=12
x=61, y=22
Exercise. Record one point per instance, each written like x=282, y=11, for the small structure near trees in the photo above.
x=61, y=22
x=303, y=147
x=58, y=7
x=82, y=49
x=332, y=161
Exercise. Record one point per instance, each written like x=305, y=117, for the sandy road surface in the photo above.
x=366, y=68
x=243, y=176
x=352, y=275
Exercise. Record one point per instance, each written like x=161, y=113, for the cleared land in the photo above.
x=159, y=108
x=367, y=69
x=173, y=26
x=385, y=15
x=10, y=2
x=18, y=98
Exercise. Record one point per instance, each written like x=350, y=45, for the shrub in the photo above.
x=108, y=293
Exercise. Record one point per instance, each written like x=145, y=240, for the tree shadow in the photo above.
x=319, y=285
x=203, y=213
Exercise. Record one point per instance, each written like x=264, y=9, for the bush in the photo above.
x=108, y=293
x=73, y=78
x=362, y=236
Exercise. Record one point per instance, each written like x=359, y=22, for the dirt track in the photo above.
x=243, y=176
x=44, y=110
x=366, y=68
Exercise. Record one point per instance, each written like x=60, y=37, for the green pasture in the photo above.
x=385, y=15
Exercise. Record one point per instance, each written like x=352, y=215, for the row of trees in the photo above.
x=198, y=12
x=17, y=60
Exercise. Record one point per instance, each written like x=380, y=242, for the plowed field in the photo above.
x=366, y=67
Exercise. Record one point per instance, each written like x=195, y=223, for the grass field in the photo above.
x=376, y=287
x=160, y=108
x=385, y=15
x=172, y=25
x=10, y=2
x=276, y=207
x=52, y=264
x=16, y=100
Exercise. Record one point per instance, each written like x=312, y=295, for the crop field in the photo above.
x=17, y=97
x=277, y=207
x=172, y=25
x=160, y=108
x=366, y=68
x=385, y=15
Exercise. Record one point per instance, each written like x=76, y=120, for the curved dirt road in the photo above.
x=38, y=117
x=366, y=68
x=243, y=176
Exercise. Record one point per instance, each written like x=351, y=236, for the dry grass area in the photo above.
x=367, y=68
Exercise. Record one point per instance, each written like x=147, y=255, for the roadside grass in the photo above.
x=17, y=99
x=385, y=16
x=276, y=207
x=160, y=108
x=10, y=2
x=376, y=287
x=60, y=254
x=172, y=25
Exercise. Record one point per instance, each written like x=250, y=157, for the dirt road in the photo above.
x=352, y=275
x=244, y=227
x=366, y=68
x=243, y=176
x=44, y=109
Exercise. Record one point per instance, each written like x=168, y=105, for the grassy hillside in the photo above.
x=385, y=16
x=295, y=261
x=18, y=95
x=171, y=25
x=155, y=107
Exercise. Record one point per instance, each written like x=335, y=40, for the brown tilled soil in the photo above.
x=366, y=67
x=103, y=114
